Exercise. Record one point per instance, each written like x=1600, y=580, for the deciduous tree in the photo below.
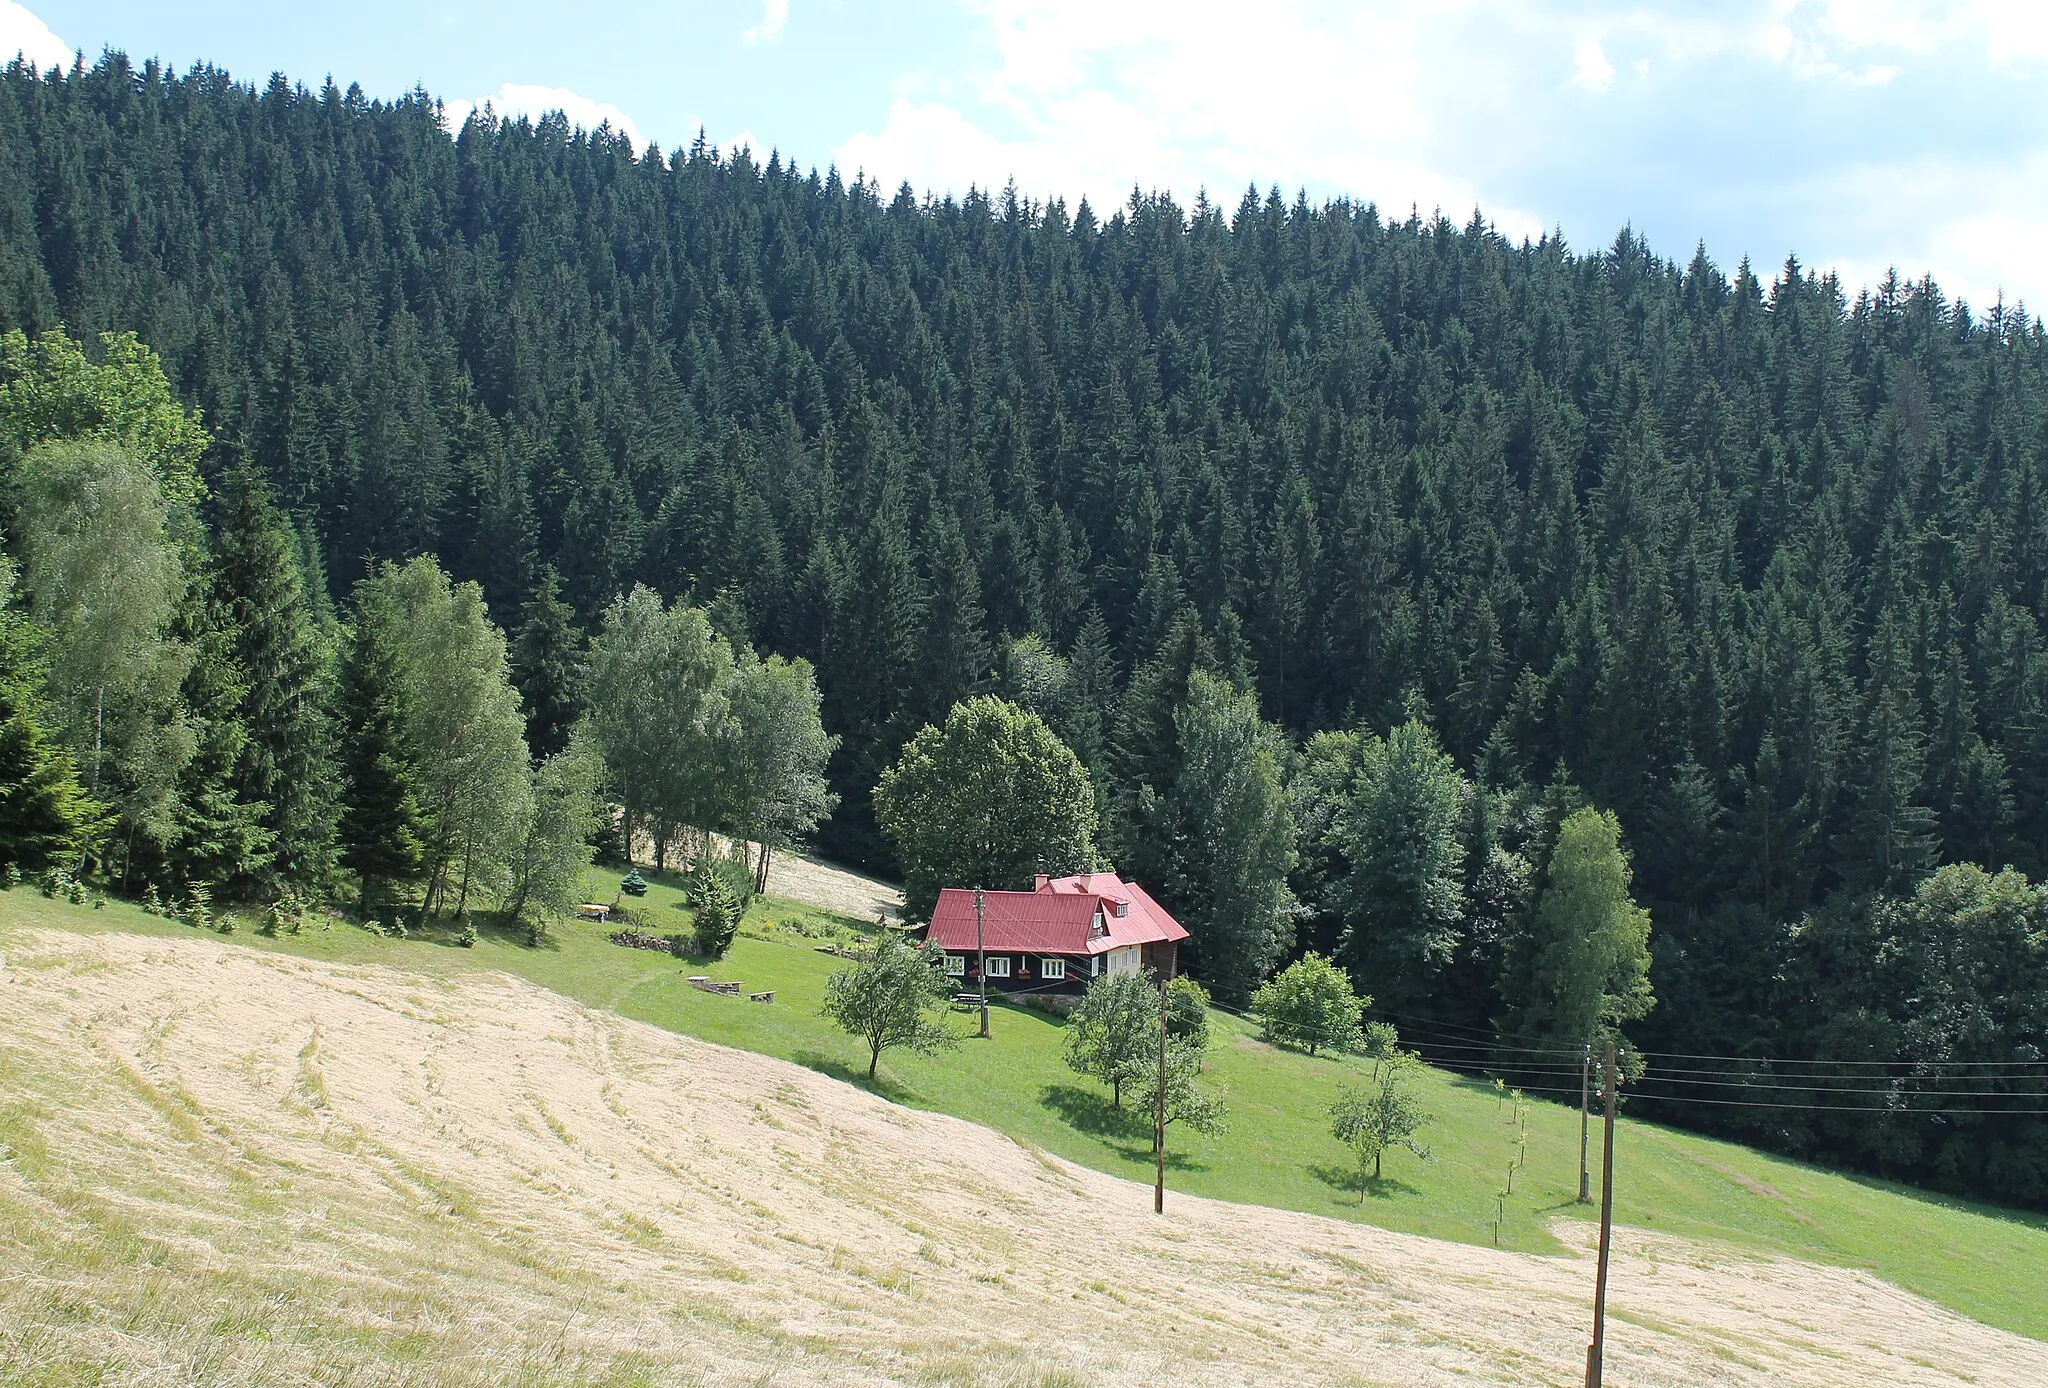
x=1113, y=1035
x=1583, y=968
x=985, y=800
x=1310, y=1004
x=1383, y=1113
x=891, y=1000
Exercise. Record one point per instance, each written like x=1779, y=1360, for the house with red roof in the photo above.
x=1057, y=936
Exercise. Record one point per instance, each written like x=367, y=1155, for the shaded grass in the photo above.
x=1277, y=1151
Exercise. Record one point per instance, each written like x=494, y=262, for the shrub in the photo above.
x=199, y=906
x=467, y=939
x=13, y=876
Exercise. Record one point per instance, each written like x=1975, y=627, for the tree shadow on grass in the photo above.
x=1142, y=1152
x=856, y=1075
x=1345, y=1179
x=1087, y=1112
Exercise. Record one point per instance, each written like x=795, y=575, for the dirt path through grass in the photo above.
x=234, y=1167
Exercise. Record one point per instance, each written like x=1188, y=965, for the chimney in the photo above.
x=1040, y=882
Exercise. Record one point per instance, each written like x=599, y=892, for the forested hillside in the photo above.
x=1753, y=561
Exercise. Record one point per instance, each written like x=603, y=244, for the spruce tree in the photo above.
x=956, y=660
x=547, y=668
x=382, y=831
x=45, y=815
x=215, y=836
x=286, y=761
x=1887, y=838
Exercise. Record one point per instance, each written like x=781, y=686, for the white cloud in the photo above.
x=1459, y=103
x=1590, y=69
x=774, y=19
x=532, y=100
x=22, y=32
x=1093, y=97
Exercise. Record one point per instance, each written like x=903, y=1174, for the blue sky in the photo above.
x=1859, y=134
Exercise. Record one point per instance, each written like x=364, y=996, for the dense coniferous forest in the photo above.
x=1749, y=558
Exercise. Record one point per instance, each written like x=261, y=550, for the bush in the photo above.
x=13, y=876
x=199, y=906
x=286, y=916
x=467, y=939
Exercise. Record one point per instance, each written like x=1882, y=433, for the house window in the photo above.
x=1052, y=969
x=1123, y=908
x=999, y=966
x=956, y=965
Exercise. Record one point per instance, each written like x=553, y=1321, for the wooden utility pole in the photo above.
x=1597, y=1349
x=1159, y=1113
x=1585, y=1100
x=980, y=963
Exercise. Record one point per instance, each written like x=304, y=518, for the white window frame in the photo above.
x=1052, y=970
x=956, y=965
x=999, y=966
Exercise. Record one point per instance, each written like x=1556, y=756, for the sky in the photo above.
x=1857, y=134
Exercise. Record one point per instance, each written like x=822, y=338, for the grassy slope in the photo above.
x=1277, y=1151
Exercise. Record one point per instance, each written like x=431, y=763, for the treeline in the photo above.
x=185, y=714
x=1751, y=565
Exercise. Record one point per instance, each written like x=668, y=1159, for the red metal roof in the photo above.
x=1058, y=918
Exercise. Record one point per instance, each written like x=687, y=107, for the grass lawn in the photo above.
x=1981, y=1261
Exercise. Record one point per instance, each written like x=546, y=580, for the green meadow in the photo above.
x=1277, y=1151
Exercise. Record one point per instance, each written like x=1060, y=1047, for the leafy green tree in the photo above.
x=1402, y=885
x=777, y=750
x=282, y=655
x=51, y=390
x=46, y=818
x=1383, y=1113
x=1583, y=969
x=563, y=815
x=1310, y=1004
x=660, y=690
x=1188, y=1102
x=987, y=799
x=889, y=998
x=1234, y=839
x=463, y=733
x=105, y=579
x=383, y=830
x=1113, y=1034
x=1187, y=1012
x=547, y=667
